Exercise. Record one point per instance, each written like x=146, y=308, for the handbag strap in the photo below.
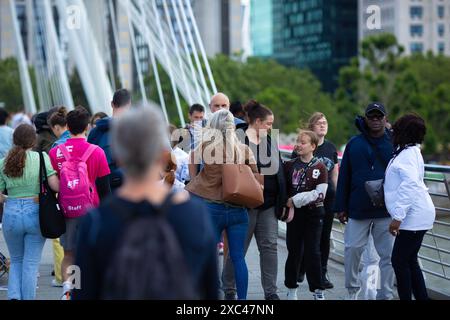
x=377, y=152
x=43, y=181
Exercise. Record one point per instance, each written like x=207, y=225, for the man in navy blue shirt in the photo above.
x=365, y=158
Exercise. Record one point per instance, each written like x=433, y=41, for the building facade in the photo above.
x=261, y=27
x=320, y=35
x=419, y=25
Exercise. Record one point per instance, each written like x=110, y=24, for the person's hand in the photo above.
x=290, y=203
x=2, y=198
x=394, y=227
x=343, y=217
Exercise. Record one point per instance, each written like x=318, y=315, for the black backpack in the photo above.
x=148, y=262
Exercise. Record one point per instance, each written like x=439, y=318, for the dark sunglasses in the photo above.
x=377, y=116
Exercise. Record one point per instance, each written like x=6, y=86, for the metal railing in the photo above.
x=434, y=255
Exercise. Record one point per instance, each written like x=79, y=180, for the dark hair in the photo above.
x=4, y=115
x=121, y=98
x=255, y=110
x=408, y=129
x=196, y=107
x=97, y=116
x=78, y=120
x=24, y=137
x=236, y=108
x=58, y=118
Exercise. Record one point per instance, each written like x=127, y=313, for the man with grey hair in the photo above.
x=139, y=141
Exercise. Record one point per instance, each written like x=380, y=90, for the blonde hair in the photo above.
x=312, y=137
x=223, y=121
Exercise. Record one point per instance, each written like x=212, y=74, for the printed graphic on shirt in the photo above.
x=329, y=164
x=315, y=173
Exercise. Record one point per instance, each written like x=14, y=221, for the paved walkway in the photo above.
x=47, y=292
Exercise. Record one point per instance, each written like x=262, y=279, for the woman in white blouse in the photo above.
x=409, y=204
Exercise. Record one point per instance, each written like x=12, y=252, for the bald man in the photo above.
x=220, y=101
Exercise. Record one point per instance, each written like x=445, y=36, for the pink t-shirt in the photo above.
x=97, y=164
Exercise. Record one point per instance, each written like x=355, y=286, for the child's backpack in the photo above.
x=148, y=262
x=76, y=191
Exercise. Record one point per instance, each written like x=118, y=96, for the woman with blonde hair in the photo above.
x=19, y=175
x=221, y=145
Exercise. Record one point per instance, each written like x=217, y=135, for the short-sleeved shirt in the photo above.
x=327, y=154
x=6, y=140
x=316, y=174
x=96, y=164
x=27, y=185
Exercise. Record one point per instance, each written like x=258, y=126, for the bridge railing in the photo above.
x=434, y=255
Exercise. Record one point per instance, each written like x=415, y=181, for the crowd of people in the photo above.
x=144, y=207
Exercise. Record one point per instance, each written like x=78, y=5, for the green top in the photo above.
x=27, y=185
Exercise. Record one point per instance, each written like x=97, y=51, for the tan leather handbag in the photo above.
x=241, y=187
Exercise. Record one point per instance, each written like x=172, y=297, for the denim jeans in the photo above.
x=25, y=243
x=264, y=225
x=235, y=221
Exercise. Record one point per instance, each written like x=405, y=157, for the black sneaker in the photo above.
x=327, y=283
x=230, y=296
x=272, y=296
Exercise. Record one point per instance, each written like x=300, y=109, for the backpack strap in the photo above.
x=88, y=152
x=65, y=152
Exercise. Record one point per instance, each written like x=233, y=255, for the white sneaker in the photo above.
x=56, y=283
x=318, y=295
x=352, y=294
x=292, y=294
x=66, y=296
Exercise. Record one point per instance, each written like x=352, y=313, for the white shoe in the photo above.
x=56, y=283
x=66, y=296
x=318, y=295
x=292, y=294
x=352, y=294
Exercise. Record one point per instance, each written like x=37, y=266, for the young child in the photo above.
x=307, y=182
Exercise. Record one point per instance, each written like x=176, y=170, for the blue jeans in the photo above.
x=25, y=243
x=235, y=222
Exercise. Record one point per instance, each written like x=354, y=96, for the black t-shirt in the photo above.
x=270, y=181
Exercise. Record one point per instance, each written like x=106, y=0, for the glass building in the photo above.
x=321, y=35
x=261, y=23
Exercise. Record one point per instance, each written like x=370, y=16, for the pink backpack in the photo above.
x=76, y=191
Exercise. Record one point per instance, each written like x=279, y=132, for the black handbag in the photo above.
x=51, y=218
x=375, y=190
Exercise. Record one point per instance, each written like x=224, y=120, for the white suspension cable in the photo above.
x=202, y=48
x=45, y=82
x=153, y=62
x=61, y=70
x=135, y=52
x=186, y=51
x=169, y=66
x=194, y=49
x=116, y=42
x=27, y=89
x=177, y=53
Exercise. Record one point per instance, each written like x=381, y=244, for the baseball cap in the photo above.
x=376, y=106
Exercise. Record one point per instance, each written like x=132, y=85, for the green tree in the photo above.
x=10, y=88
x=417, y=83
